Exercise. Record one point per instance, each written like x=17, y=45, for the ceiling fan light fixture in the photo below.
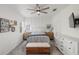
x=38, y=13
x=39, y=10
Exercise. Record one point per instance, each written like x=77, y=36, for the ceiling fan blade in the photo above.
x=45, y=8
x=55, y=9
x=44, y=12
x=33, y=12
x=31, y=9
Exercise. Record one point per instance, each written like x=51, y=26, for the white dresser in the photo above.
x=66, y=44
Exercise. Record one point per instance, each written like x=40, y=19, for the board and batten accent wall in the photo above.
x=37, y=24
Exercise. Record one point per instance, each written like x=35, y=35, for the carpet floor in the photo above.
x=21, y=50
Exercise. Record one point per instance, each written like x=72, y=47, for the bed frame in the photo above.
x=38, y=44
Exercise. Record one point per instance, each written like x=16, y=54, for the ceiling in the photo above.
x=22, y=8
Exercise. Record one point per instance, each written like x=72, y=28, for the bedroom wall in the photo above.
x=61, y=23
x=9, y=40
x=37, y=24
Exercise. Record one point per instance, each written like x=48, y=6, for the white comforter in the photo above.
x=38, y=39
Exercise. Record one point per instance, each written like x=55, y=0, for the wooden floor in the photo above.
x=21, y=49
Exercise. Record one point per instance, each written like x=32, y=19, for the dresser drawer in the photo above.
x=70, y=46
x=70, y=42
x=71, y=49
x=67, y=45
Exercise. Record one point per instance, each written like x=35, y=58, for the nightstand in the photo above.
x=50, y=35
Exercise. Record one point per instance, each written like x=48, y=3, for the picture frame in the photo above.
x=13, y=29
x=4, y=25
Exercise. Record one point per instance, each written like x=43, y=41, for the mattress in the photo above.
x=38, y=39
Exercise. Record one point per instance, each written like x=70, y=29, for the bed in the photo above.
x=38, y=43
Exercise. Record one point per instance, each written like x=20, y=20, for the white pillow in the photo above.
x=38, y=33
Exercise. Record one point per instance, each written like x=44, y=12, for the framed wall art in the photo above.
x=4, y=25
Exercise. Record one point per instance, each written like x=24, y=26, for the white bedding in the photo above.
x=38, y=39
x=37, y=33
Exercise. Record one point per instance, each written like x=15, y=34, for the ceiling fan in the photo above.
x=38, y=9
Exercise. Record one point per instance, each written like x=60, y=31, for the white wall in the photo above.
x=9, y=40
x=61, y=21
x=37, y=23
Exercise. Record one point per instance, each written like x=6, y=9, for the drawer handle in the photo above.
x=69, y=48
x=71, y=42
x=61, y=45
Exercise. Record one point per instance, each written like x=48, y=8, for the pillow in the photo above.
x=33, y=33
